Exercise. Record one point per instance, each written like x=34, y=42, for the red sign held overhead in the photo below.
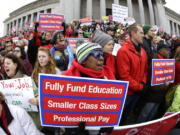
x=50, y=22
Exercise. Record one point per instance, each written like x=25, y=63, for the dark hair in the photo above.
x=54, y=36
x=10, y=40
x=3, y=52
x=133, y=28
x=23, y=54
x=18, y=61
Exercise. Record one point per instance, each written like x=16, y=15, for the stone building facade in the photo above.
x=144, y=11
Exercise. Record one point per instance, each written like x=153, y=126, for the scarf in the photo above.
x=5, y=118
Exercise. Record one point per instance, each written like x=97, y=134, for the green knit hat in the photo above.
x=146, y=28
x=85, y=49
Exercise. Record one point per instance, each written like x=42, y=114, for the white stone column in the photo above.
x=102, y=8
x=130, y=8
x=161, y=14
x=77, y=9
x=5, y=29
x=89, y=8
x=32, y=18
x=177, y=29
x=151, y=12
x=141, y=12
x=116, y=2
x=173, y=28
x=17, y=25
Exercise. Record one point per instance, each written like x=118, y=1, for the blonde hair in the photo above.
x=177, y=54
x=50, y=68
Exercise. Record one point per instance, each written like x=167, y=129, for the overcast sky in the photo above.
x=7, y=6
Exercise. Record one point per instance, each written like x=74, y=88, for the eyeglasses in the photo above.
x=97, y=54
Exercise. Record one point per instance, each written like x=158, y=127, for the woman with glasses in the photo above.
x=20, y=53
x=89, y=63
x=61, y=51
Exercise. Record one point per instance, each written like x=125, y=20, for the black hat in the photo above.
x=161, y=46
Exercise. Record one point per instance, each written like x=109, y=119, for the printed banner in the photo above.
x=163, y=70
x=50, y=22
x=72, y=41
x=157, y=127
x=67, y=101
x=86, y=21
x=119, y=13
x=18, y=92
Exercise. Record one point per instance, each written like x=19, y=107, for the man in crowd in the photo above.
x=147, y=41
x=132, y=67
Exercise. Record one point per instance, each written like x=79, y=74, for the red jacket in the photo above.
x=160, y=56
x=76, y=70
x=110, y=62
x=38, y=41
x=177, y=73
x=132, y=67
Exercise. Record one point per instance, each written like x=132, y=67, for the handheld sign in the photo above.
x=67, y=101
x=163, y=70
x=18, y=92
x=72, y=41
x=50, y=22
x=119, y=13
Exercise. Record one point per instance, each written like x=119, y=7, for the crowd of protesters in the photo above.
x=28, y=53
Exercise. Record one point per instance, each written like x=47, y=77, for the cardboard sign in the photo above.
x=18, y=92
x=116, y=49
x=163, y=70
x=157, y=127
x=50, y=22
x=67, y=101
x=119, y=13
x=105, y=18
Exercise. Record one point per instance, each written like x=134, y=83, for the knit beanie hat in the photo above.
x=146, y=28
x=101, y=38
x=85, y=49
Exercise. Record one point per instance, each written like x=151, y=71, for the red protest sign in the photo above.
x=163, y=70
x=50, y=22
x=72, y=41
x=66, y=101
x=156, y=127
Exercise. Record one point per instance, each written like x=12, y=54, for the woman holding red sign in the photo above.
x=89, y=63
